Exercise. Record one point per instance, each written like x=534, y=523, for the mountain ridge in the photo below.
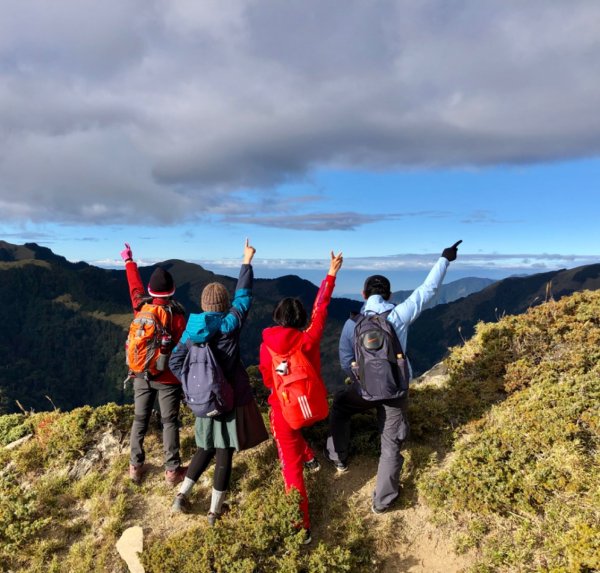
x=73, y=353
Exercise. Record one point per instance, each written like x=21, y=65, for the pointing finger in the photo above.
x=456, y=244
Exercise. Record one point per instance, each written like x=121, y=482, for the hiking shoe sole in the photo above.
x=180, y=504
x=136, y=473
x=377, y=510
x=313, y=466
x=340, y=466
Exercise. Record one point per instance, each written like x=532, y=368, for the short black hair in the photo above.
x=377, y=284
x=290, y=312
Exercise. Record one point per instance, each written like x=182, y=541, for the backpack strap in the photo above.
x=382, y=318
x=169, y=311
x=398, y=349
x=141, y=301
x=177, y=307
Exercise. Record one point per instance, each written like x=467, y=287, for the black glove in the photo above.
x=451, y=252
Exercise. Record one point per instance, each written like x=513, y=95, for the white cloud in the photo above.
x=408, y=262
x=131, y=110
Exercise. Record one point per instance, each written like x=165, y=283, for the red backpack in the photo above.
x=301, y=393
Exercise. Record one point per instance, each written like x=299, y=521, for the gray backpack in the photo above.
x=206, y=391
x=380, y=366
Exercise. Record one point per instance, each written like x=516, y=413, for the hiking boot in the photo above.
x=307, y=537
x=213, y=517
x=180, y=504
x=136, y=473
x=378, y=510
x=173, y=477
x=313, y=465
x=339, y=465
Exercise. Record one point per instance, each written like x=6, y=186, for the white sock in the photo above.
x=216, y=500
x=186, y=486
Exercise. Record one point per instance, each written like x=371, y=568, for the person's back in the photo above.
x=220, y=325
x=291, y=332
x=218, y=437
x=283, y=339
x=155, y=383
x=391, y=412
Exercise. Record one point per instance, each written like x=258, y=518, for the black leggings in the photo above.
x=201, y=459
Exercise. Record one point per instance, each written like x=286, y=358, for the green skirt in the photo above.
x=242, y=429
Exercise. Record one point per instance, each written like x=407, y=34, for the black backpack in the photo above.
x=380, y=365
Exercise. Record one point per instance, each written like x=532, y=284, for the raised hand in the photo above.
x=249, y=251
x=336, y=263
x=126, y=253
x=451, y=253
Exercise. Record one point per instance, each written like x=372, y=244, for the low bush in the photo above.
x=12, y=427
x=530, y=464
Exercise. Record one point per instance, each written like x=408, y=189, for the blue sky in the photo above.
x=388, y=131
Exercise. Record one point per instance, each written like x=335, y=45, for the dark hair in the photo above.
x=377, y=284
x=290, y=312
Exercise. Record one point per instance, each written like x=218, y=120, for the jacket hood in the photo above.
x=281, y=339
x=377, y=304
x=201, y=327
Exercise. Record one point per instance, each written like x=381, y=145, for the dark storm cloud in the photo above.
x=140, y=110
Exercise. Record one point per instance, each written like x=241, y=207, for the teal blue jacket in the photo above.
x=222, y=331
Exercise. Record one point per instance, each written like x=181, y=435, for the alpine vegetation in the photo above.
x=504, y=458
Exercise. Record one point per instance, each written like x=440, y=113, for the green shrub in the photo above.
x=21, y=516
x=258, y=537
x=531, y=461
x=61, y=438
x=12, y=427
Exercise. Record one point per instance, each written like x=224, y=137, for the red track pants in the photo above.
x=293, y=452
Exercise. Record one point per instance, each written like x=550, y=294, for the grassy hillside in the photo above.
x=505, y=450
x=521, y=411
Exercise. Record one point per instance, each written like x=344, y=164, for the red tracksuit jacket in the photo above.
x=281, y=339
x=292, y=448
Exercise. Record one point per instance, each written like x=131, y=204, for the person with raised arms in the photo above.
x=214, y=334
x=290, y=364
x=158, y=324
x=372, y=352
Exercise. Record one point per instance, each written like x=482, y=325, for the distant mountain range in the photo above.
x=448, y=325
x=448, y=292
x=64, y=323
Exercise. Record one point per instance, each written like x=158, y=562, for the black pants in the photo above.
x=224, y=464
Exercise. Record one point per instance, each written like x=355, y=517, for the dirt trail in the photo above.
x=406, y=540
x=424, y=548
